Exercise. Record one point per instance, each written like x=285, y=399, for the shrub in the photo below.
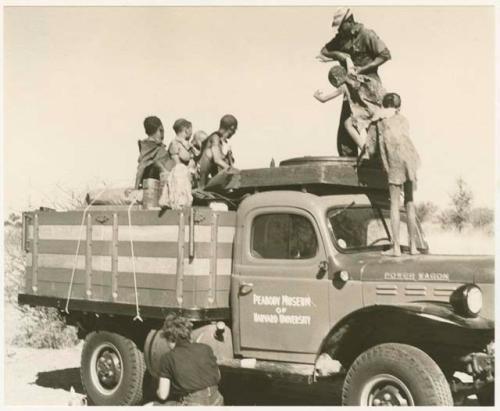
x=482, y=217
x=43, y=327
x=426, y=211
x=462, y=203
x=39, y=327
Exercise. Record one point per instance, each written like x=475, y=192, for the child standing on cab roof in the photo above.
x=400, y=161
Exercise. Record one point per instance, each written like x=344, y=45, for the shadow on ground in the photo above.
x=61, y=379
x=263, y=391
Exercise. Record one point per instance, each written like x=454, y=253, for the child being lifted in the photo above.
x=364, y=95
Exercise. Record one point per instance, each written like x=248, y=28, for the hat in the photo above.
x=340, y=15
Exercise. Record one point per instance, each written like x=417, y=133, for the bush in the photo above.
x=43, y=327
x=482, y=217
x=426, y=211
x=38, y=327
x=461, y=201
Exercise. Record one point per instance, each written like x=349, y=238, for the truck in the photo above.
x=287, y=282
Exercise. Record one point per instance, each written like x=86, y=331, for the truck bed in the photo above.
x=183, y=260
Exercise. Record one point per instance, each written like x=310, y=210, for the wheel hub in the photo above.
x=386, y=390
x=389, y=396
x=109, y=369
x=106, y=368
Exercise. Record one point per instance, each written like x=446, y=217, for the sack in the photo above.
x=114, y=196
x=176, y=188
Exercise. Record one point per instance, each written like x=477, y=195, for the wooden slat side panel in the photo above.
x=142, y=249
x=179, y=286
x=152, y=233
x=198, y=266
x=144, y=280
x=139, y=217
x=35, y=256
x=88, y=259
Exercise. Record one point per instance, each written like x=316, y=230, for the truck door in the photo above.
x=281, y=287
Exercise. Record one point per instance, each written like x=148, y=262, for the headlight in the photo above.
x=467, y=300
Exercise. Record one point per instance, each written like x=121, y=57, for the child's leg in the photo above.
x=395, y=193
x=411, y=217
x=355, y=135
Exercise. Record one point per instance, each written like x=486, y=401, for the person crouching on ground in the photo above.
x=190, y=368
x=364, y=96
x=400, y=160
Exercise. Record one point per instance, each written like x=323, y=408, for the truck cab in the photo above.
x=309, y=279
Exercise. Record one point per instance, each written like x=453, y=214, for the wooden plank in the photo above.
x=144, y=280
x=105, y=307
x=142, y=248
x=88, y=258
x=180, y=262
x=35, y=256
x=213, y=259
x=140, y=217
x=138, y=233
x=153, y=265
x=114, y=259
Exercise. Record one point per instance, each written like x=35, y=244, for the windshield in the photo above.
x=363, y=227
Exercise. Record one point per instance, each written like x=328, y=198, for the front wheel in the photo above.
x=395, y=375
x=112, y=369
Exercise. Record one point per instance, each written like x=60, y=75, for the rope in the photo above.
x=75, y=261
x=138, y=314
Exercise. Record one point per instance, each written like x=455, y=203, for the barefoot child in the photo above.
x=364, y=95
x=400, y=160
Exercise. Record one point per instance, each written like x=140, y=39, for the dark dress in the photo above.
x=153, y=157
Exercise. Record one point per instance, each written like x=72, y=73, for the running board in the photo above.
x=271, y=369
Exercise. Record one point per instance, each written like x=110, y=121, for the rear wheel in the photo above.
x=395, y=375
x=112, y=369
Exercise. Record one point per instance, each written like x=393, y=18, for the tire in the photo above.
x=105, y=352
x=395, y=374
x=486, y=395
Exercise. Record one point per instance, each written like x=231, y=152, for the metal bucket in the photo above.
x=151, y=196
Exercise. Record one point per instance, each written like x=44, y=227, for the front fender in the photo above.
x=433, y=327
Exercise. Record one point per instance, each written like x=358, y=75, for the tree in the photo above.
x=461, y=205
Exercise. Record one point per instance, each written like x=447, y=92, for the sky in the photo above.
x=78, y=82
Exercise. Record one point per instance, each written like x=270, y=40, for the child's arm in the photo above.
x=324, y=97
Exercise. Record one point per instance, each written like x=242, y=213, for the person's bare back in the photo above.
x=214, y=155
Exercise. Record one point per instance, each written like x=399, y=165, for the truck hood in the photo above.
x=392, y=281
x=421, y=268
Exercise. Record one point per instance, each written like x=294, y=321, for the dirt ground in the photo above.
x=45, y=377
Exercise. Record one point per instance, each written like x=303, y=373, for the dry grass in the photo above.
x=38, y=327
x=471, y=241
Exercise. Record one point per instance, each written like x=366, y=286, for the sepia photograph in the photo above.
x=249, y=204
